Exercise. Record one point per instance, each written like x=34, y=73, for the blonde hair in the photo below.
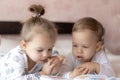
x=91, y=24
x=43, y=25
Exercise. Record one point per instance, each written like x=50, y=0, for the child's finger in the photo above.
x=61, y=58
x=52, y=66
x=78, y=67
x=85, y=71
x=50, y=61
x=89, y=71
x=81, y=69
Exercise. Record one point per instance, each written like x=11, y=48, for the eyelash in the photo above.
x=39, y=50
x=74, y=45
x=85, y=46
x=49, y=49
x=82, y=46
x=42, y=50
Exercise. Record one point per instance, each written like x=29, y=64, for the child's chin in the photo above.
x=80, y=59
x=42, y=62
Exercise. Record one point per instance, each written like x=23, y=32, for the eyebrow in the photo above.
x=80, y=44
x=43, y=48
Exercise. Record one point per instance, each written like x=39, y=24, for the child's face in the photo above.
x=39, y=49
x=84, y=45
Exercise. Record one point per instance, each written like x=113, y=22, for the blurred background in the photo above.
x=106, y=11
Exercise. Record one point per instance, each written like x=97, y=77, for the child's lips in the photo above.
x=44, y=60
x=80, y=57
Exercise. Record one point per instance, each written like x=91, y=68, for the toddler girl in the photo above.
x=33, y=57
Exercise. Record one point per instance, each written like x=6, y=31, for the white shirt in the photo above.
x=14, y=66
x=100, y=57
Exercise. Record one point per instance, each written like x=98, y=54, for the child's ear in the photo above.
x=23, y=45
x=98, y=46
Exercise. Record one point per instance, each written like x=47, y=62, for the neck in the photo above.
x=31, y=63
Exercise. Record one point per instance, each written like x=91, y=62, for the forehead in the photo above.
x=84, y=36
x=41, y=40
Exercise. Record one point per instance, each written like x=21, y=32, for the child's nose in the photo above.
x=45, y=54
x=80, y=50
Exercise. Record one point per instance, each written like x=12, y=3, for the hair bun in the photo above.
x=37, y=10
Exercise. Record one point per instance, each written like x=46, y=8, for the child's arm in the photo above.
x=49, y=68
x=92, y=67
x=106, y=69
x=15, y=68
x=105, y=66
x=101, y=69
x=86, y=68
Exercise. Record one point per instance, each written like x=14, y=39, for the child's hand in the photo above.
x=78, y=71
x=86, y=68
x=53, y=65
x=92, y=67
x=47, y=68
x=57, y=61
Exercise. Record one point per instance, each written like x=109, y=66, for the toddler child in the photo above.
x=33, y=57
x=88, y=55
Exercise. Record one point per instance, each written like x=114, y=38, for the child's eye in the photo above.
x=49, y=49
x=39, y=50
x=85, y=46
x=75, y=46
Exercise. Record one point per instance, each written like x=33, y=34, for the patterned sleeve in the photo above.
x=20, y=71
x=15, y=68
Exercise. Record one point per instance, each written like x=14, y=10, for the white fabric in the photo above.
x=100, y=57
x=13, y=66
